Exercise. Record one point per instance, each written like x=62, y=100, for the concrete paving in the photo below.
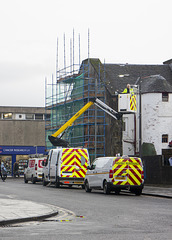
x=15, y=211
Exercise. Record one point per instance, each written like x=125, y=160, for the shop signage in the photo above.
x=20, y=150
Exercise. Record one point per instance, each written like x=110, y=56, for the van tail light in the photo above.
x=111, y=174
x=35, y=167
x=142, y=174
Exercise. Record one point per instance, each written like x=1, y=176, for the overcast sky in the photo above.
x=121, y=31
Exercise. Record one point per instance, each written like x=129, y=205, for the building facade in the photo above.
x=22, y=132
x=101, y=134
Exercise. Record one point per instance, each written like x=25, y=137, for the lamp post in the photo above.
x=140, y=121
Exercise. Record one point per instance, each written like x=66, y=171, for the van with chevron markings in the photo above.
x=66, y=166
x=115, y=174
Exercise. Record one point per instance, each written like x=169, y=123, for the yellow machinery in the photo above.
x=57, y=141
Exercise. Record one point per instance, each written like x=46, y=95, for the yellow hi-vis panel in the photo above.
x=127, y=171
x=74, y=163
x=133, y=106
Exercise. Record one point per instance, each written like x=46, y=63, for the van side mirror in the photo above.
x=91, y=168
x=44, y=163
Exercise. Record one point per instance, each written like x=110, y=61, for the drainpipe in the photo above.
x=140, y=121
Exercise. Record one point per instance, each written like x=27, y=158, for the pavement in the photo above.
x=17, y=211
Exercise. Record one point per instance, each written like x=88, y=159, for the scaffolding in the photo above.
x=73, y=88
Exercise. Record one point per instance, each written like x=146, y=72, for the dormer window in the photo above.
x=165, y=97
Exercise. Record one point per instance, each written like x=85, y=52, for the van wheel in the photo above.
x=117, y=191
x=57, y=184
x=44, y=183
x=138, y=192
x=33, y=180
x=25, y=180
x=106, y=188
x=87, y=189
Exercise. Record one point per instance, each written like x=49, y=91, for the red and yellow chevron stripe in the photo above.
x=74, y=163
x=127, y=171
x=133, y=106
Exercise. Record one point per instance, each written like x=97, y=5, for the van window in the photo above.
x=83, y=160
x=102, y=163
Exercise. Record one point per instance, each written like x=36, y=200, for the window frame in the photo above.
x=165, y=97
x=164, y=138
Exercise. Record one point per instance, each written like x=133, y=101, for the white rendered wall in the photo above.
x=156, y=120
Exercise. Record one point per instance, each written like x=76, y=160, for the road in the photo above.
x=98, y=216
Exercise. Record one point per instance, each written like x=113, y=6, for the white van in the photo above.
x=115, y=174
x=33, y=172
x=66, y=166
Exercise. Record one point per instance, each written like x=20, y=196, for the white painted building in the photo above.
x=156, y=118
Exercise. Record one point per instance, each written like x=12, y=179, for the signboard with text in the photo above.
x=21, y=150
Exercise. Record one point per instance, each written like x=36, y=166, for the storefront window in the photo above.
x=22, y=161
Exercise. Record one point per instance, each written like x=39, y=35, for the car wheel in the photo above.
x=87, y=189
x=25, y=180
x=33, y=180
x=106, y=188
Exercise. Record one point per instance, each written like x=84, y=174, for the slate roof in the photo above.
x=119, y=75
x=155, y=84
x=154, y=78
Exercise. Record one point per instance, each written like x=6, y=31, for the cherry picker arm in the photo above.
x=57, y=141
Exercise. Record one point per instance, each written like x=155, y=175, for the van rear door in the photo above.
x=127, y=171
x=74, y=163
x=30, y=168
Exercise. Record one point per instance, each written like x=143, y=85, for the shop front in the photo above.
x=20, y=154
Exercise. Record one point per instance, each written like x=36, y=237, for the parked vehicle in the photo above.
x=68, y=166
x=115, y=174
x=33, y=172
x=65, y=166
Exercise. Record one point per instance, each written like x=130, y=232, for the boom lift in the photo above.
x=55, y=138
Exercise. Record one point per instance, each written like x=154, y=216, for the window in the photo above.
x=30, y=116
x=101, y=162
x=165, y=138
x=39, y=116
x=7, y=116
x=165, y=97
